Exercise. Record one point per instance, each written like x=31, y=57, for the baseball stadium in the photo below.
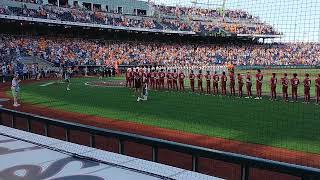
x=160, y=89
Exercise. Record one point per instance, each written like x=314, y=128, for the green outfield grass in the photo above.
x=292, y=126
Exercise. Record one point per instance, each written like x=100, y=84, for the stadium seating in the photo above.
x=200, y=21
x=87, y=52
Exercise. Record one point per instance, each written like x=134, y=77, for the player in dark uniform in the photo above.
x=175, y=80
x=199, y=77
x=68, y=75
x=181, y=80
x=208, y=80
x=100, y=72
x=144, y=88
x=215, y=83
x=138, y=84
x=307, y=84
x=249, y=85
x=285, y=84
x=294, y=84
x=317, y=83
x=223, y=84
x=259, y=79
x=273, y=85
x=192, y=77
x=232, y=84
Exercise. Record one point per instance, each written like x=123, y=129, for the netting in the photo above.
x=225, y=105
x=297, y=21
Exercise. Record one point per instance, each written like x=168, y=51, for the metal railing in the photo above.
x=246, y=162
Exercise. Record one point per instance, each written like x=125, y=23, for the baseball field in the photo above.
x=292, y=126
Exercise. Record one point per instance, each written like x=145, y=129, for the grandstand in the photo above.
x=149, y=17
x=229, y=89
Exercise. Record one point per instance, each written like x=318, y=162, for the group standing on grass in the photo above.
x=157, y=79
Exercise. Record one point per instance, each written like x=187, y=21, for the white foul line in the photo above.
x=46, y=84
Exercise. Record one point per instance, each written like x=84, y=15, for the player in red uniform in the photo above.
x=294, y=84
x=259, y=79
x=208, y=80
x=128, y=83
x=199, y=77
x=161, y=81
x=240, y=85
x=175, y=80
x=215, y=83
x=152, y=79
x=232, y=84
x=169, y=79
x=157, y=76
x=273, y=85
x=223, y=84
x=148, y=80
x=285, y=84
x=307, y=84
x=192, y=77
x=317, y=82
x=131, y=78
x=249, y=85
x=181, y=80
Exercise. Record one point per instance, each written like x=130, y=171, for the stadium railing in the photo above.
x=245, y=162
x=40, y=20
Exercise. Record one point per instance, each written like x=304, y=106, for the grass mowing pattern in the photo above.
x=278, y=124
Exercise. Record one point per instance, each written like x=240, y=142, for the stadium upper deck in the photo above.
x=156, y=18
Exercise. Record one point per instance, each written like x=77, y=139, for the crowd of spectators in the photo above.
x=254, y=29
x=91, y=52
x=31, y=1
x=83, y=16
x=11, y=61
x=176, y=23
x=251, y=25
x=193, y=11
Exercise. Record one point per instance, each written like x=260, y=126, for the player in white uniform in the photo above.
x=15, y=89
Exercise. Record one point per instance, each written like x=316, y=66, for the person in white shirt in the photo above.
x=15, y=89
